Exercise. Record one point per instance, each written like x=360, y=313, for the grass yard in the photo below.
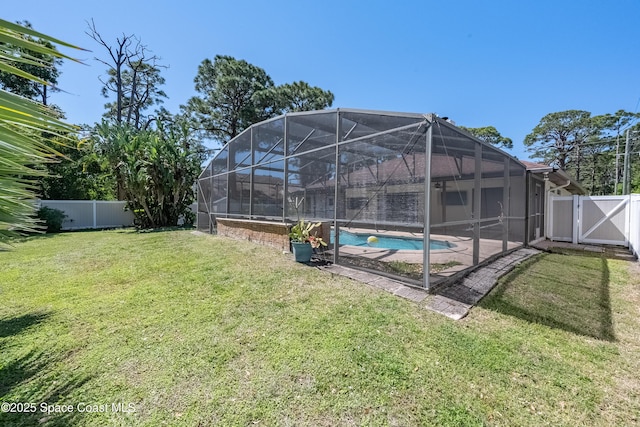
x=174, y=328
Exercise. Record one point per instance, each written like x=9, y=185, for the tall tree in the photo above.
x=133, y=77
x=300, y=96
x=22, y=124
x=490, y=135
x=234, y=94
x=140, y=84
x=560, y=137
x=43, y=65
x=231, y=97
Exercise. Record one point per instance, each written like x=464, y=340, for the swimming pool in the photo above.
x=389, y=242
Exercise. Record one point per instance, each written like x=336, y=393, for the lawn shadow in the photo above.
x=15, y=325
x=568, y=292
x=26, y=237
x=30, y=378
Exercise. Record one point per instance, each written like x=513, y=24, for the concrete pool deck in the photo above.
x=461, y=253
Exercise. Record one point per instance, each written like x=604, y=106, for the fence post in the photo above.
x=576, y=219
x=95, y=224
x=549, y=216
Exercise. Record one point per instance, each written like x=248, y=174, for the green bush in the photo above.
x=53, y=218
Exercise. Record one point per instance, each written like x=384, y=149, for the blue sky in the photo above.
x=481, y=63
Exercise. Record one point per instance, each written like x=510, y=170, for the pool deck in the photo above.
x=461, y=253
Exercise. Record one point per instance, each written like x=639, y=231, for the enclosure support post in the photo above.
x=285, y=179
x=426, y=235
x=527, y=207
x=505, y=213
x=477, y=189
x=252, y=171
x=336, y=227
x=226, y=178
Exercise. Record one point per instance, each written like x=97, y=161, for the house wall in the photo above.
x=442, y=212
x=369, y=203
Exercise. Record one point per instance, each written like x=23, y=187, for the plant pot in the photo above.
x=302, y=251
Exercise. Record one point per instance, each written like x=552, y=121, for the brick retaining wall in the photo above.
x=274, y=234
x=266, y=233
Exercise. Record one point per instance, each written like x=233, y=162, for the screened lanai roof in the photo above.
x=311, y=130
x=305, y=131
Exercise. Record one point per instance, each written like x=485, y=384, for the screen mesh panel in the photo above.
x=363, y=174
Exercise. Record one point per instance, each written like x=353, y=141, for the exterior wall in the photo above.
x=441, y=212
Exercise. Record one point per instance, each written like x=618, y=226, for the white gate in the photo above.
x=590, y=219
x=604, y=220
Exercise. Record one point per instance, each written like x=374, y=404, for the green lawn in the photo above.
x=195, y=330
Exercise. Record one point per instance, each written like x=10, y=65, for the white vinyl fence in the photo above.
x=634, y=224
x=83, y=214
x=612, y=220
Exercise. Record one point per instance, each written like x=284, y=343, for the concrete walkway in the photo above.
x=456, y=300
x=453, y=301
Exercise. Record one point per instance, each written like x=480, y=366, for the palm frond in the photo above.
x=24, y=127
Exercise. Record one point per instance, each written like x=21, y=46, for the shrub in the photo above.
x=53, y=218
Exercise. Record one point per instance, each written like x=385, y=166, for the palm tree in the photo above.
x=24, y=125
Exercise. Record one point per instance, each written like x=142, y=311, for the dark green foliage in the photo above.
x=490, y=135
x=585, y=146
x=300, y=96
x=44, y=67
x=52, y=218
x=76, y=175
x=235, y=94
x=558, y=137
x=154, y=169
x=230, y=100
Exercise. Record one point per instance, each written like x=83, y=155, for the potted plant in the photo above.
x=303, y=242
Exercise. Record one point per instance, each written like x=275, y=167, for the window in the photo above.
x=357, y=202
x=455, y=198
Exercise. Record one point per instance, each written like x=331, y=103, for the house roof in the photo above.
x=556, y=175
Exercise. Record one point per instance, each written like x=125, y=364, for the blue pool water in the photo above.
x=389, y=242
